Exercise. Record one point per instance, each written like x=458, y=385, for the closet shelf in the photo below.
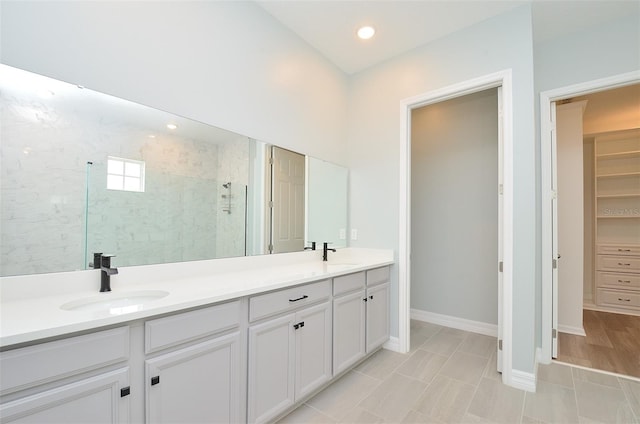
x=618, y=217
x=618, y=196
x=620, y=155
x=621, y=174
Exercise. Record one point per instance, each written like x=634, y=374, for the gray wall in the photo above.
x=503, y=42
x=608, y=49
x=454, y=207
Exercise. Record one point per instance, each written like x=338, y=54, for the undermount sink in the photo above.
x=115, y=303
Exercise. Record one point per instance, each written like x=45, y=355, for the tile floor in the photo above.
x=449, y=377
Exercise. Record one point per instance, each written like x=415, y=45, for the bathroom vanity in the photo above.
x=234, y=340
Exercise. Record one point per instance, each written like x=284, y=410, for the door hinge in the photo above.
x=271, y=203
x=271, y=248
x=500, y=266
x=500, y=188
x=500, y=344
x=271, y=161
x=554, y=263
x=554, y=333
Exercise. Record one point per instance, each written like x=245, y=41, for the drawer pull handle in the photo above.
x=624, y=281
x=624, y=300
x=125, y=391
x=624, y=250
x=155, y=380
x=365, y=299
x=300, y=298
x=298, y=325
x=623, y=264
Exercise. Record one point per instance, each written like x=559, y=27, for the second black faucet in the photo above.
x=325, y=251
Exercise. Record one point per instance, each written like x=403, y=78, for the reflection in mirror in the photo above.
x=84, y=172
x=326, y=203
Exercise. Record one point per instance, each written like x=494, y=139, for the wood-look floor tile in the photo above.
x=596, y=378
x=497, y=402
x=394, y=397
x=338, y=399
x=603, y=404
x=631, y=389
x=443, y=343
x=382, y=363
x=556, y=374
x=464, y=367
x=551, y=403
x=422, y=365
x=306, y=414
x=445, y=400
x=478, y=344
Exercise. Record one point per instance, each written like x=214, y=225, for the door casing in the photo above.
x=548, y=184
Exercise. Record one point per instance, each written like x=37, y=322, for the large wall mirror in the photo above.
x=85, y=172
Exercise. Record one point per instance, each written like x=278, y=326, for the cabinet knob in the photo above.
x=365, y=299
x=155, y=380
x=125, y=391
x=371, y=297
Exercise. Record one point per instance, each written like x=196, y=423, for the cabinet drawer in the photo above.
x=618, y=298
x=46, y=362
x=169, y=331
x=618, y=263
x=618, y=280
x=288, y=299
x=377, y=276
x=619, y=249
x=348, y=283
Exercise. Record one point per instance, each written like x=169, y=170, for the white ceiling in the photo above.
x=330, y=25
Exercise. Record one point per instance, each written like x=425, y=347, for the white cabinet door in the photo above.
x=271, y=368
x=197, y=384
x=95, y=399
x=377, y=316
x=313, y=348
x=348, y=330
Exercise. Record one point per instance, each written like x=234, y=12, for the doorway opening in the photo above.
x=592, y=272
x=500, y=81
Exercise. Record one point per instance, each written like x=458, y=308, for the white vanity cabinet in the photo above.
x=289, y=347
x=360, y=316
x=197, y=381
x=349, y=320
x=378, y=318
x=81, y=379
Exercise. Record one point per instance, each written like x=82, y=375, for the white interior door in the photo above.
x=554, y=234
x=287, y=201
x=500, y=230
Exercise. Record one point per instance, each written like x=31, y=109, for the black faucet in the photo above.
x=312, y=247
x=325, y=250
x=103, y=263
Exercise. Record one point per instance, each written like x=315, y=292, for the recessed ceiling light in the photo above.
x=172, y=126
x=366, y=32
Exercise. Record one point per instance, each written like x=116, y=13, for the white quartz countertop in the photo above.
x=30, y=306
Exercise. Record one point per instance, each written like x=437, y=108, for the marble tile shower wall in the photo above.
x=233, y=166
x=44, y=185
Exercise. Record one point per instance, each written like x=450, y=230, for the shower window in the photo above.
x=125, y=174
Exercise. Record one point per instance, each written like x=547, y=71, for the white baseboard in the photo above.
x=523, y=380
x=578, y=331
x=455, y=322
x=393, y=344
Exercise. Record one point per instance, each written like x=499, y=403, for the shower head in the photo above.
x=227, y=185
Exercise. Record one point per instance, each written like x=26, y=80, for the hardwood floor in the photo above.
x=612, y=343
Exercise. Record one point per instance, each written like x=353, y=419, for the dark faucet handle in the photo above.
x=97, y=261
x=325, y=246
x=312, y=247
x=106, y=260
